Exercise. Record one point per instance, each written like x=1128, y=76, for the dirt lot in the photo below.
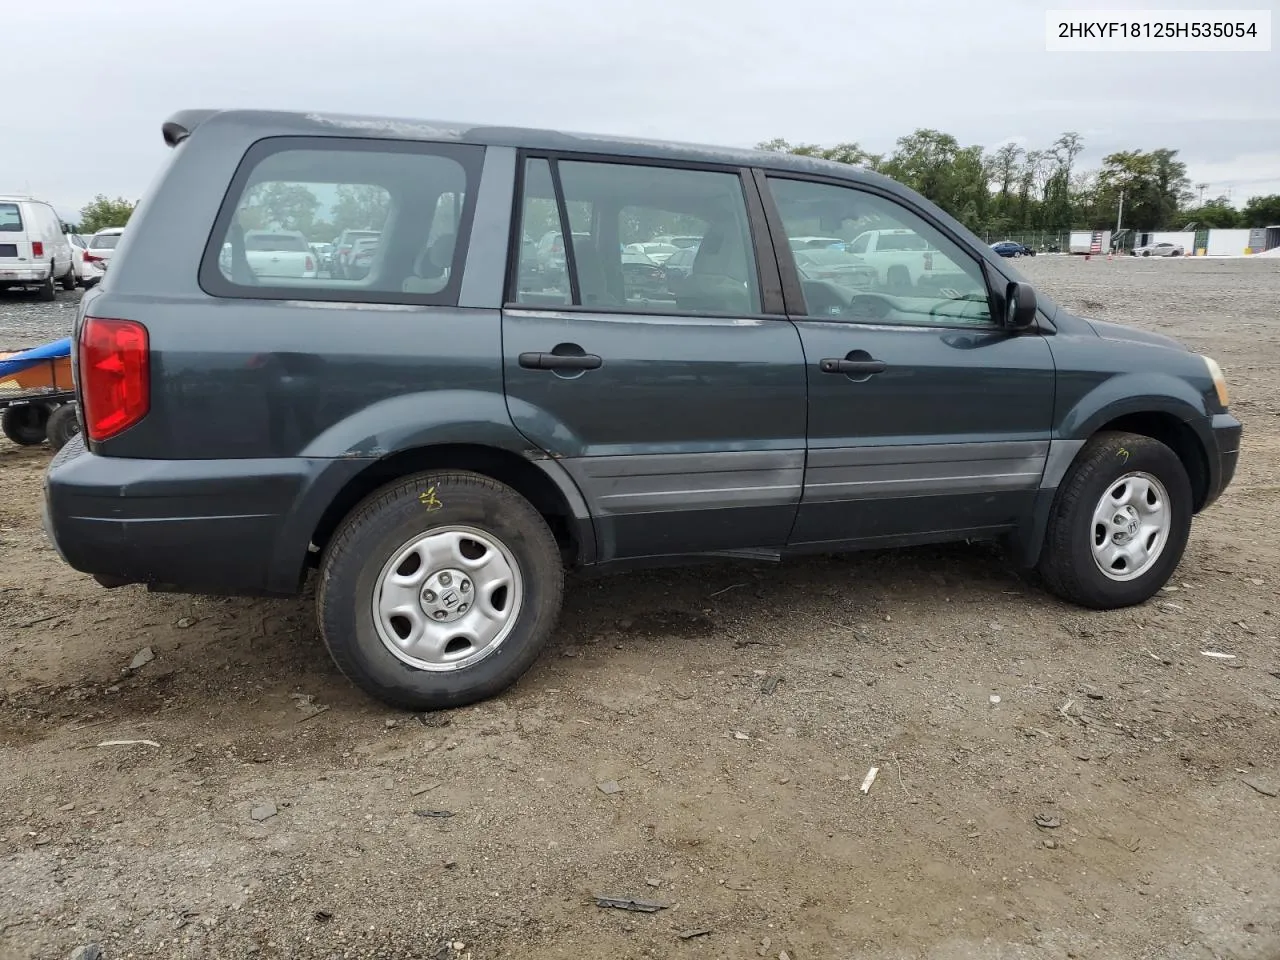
x=283, y=814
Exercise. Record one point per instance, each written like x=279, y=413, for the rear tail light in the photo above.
x=928, y=261
x=311, y=264
x=91, y=258
x=37, y=249
x=114, y=376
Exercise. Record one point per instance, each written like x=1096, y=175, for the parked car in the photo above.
x=1012, y=248
x=816, y=263
x=683, y=242
x=817, y=243
x=361, y=260
x=657, y=252
x=34, y=252
x=642, y=278
x=279, y=253
x=439, y=449
x=678, y=266
x=342, y=249
x=903, y=259
x=1162, y=249
x=101, y=248
x=87, y=274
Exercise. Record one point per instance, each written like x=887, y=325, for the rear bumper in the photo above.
x=24, y=273
x=216, y=526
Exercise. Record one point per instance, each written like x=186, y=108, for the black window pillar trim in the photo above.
x=785, y=266
x=566, y=233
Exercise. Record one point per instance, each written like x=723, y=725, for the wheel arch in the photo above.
x=541, y=481
x=1176, y=434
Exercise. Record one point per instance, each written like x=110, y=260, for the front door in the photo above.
x=927, y=420
x=675, y=402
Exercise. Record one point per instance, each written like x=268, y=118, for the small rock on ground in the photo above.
x=263, y=811
x=142, y=658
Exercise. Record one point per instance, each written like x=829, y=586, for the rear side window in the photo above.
x=104, y=241
x=614, y=261
x=10, y=218
x=398, y=216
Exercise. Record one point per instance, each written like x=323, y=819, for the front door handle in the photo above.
x=560, y=361
x=857, y=368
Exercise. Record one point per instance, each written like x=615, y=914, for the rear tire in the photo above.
x=62, y=426
x=899, y=278
x=25, y=425
x=453, y=529
x=1119, y=523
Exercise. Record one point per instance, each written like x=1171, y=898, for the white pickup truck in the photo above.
x=902, y=258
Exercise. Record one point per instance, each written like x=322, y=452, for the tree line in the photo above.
x=1014, y=189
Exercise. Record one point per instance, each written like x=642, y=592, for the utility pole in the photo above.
x=1202, y=187
x=1119, y=216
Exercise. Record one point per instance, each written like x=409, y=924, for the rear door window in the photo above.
x=10, y=218
x=411, y=199
x=615, y=263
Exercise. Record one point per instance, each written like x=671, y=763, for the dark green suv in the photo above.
x=443, y=434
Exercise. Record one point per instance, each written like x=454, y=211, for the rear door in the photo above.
x=15, y=249
x=681, y=417
x=927, y=420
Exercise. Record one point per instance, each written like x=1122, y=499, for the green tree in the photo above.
x=360, y=207
x=1262, y=211
x=1216, y=213
x=850, y=153
x=101, y=213
x=279, y=206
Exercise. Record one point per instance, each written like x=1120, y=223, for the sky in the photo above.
x=730, y=72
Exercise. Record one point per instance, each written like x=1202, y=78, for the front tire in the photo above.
x=46, y=292
x=25, y=425
x=1119, y=523
x=439, y=590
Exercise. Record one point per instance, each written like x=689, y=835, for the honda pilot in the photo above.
x=441, y=435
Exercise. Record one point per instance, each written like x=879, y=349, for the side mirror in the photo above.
x=1019, y=306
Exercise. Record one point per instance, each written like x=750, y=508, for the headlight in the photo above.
x=1219, y=382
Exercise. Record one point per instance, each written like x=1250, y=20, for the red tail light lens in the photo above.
x=90, y=258
x=115, y=376
x=37, y=248
x=311, y=264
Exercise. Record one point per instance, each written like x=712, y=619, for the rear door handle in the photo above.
x=559, y=361
x=860, y=368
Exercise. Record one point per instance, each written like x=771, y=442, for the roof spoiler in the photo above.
x=182, y=124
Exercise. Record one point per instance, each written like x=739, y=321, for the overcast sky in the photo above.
x=102, y=76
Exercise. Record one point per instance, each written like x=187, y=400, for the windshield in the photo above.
x=276, y=241
x=10, y=218
x=104, y=241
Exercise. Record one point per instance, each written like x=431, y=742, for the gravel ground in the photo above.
x=26, y=322
x=279, y=813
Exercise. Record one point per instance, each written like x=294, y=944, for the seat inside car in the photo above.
x=717, y=283
x=429, y=269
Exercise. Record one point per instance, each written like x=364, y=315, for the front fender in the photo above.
x=1128, y=393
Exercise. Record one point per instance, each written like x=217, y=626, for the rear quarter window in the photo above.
x=10, y=218
x=416, y=199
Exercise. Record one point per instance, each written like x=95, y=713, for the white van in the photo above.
x=34, y=252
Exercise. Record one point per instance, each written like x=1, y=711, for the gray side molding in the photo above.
x=1061, y=454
